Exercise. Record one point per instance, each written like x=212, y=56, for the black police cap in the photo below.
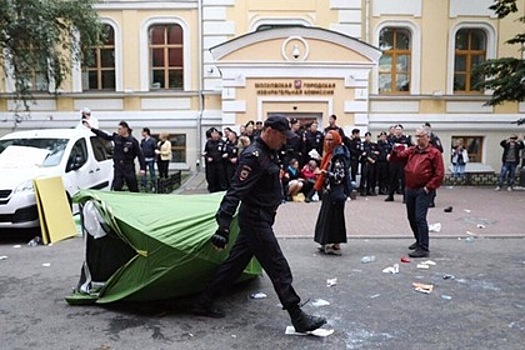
x=280, y=123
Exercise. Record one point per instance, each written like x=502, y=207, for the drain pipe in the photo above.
x=201, y=87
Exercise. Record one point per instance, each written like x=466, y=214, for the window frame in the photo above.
x=469, y=54
x=415, y=64
x=394, y=53
x=166, y=47
x=145, y=81
x=474, y=157
x=98, y=68
x=491, y=45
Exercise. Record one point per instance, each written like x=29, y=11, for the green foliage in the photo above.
x=506, y=75
x=43, y=36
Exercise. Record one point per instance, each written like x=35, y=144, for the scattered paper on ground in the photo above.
x=429, y=262
x=423, y=266
x=320, y=302
x=434, y=227
x=290, y=330
x=392, y=269
x=423, y=288
x=331, y=282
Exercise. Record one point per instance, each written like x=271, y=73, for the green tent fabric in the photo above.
x=170, y=240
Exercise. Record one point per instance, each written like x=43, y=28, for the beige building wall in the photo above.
x=220, y=91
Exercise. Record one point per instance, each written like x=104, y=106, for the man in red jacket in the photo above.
x=424, y=173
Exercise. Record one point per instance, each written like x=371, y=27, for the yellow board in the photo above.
x=54, y=212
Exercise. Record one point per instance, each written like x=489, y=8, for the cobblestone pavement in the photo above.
x=477, y=211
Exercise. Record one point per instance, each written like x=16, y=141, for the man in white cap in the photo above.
x=86, y=116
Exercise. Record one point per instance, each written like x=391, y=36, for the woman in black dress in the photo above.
x=335, y=184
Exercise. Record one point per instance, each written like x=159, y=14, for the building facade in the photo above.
x=184, y=66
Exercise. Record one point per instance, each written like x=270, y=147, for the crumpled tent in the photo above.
x=142, y=247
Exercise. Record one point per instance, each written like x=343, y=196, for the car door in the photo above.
x=102, y=161
x=80, y=170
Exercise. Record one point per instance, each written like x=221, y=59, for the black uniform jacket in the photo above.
x=255, y=183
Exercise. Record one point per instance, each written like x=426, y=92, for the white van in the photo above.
x=80, y=157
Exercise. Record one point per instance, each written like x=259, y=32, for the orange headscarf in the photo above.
x=328, y=151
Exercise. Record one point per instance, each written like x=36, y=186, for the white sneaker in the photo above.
x=497, y=188
x=509, y=189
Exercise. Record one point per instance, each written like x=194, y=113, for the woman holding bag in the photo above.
x=335, y=184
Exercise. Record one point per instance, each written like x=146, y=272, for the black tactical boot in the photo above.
x=303, y=322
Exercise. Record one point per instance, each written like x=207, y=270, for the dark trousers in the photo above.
x=256, y=238
x=163, y=166
x=150, y=168
x=124, y=174
x=382, y=176
x=397, y=177
x=216, y=176
x=354, y=167
x=368, y=178
x=417, y=202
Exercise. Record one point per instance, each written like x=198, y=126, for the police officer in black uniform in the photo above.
x=256, y=185
x=213, y=154
x=355, y=147
x=384, y=148
x=126, y=149
x=312, y=139
x=294, y=146
x=369, y=157
x=397, y=167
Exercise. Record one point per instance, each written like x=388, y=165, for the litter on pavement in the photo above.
x=422, y=266
x=448, y=209
x=331, y=282
x=446, y=297
x=258, y=295
x=46, y=264
x=392, y=269
x=18, y=246
x=290, y=330
x=405, y=259
x=448, y=277
x=320, y=302
x=423, y=288
x=434, y=227
x=481, y=226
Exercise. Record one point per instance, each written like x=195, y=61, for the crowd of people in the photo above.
x=301, y=158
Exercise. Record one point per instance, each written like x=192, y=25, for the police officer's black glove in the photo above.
x=220, y=238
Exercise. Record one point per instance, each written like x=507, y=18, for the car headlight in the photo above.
x=24, y=186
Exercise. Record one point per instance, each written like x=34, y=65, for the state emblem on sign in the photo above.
x=297, y=84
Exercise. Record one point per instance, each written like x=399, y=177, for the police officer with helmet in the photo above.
x=257, y=187
x=126, y=149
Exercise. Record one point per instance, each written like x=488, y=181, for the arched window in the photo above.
x=470, y=50
x=394, y=65
x=166, y=56
x=99, y=74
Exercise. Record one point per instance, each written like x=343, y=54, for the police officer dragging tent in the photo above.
x=257, y=187
x=126, y=149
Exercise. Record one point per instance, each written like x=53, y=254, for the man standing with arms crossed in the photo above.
x=257, y=187
x=424, y=173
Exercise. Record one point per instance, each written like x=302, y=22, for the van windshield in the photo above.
x=56, y=148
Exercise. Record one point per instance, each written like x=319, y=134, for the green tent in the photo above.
x=154, y=246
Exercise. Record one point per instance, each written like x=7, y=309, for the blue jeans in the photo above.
x=459, y=171
x=150, y=168
x=417, y=202
x=510, y=169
